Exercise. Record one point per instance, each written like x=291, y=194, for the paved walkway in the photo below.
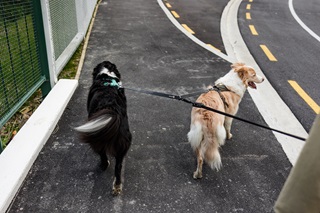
x=152, y=54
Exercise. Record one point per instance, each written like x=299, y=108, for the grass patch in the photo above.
x=70, y=70
x=11, y=128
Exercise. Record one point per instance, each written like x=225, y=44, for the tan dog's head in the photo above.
x=247, y=74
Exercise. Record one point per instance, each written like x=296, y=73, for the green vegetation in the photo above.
x=70, y=70
x=10, y=129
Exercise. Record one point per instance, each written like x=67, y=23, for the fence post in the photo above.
x=46, y=86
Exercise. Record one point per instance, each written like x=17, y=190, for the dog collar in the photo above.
x=113, y=83
x=221, y=87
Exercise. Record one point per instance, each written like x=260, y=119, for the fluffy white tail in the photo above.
x=195, y=135
x=214, y=161
x=221, y=135
x=212, y=157
x=94, y=125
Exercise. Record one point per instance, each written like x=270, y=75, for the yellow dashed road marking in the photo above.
x=305, y=96
x=175, y=14
x=248, y=6
x=187, y=28
x=253, y=30
x=168, y=5
x=214, y=47
x=250, y=0
x=268, y=53
x=248, y=16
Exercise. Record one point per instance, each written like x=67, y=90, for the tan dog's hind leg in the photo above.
x=198, y=173
x=227, y=125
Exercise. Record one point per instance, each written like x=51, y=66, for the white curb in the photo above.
x=18, y=157
x=270, y=105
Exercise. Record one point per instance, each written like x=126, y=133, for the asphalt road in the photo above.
x=296, y=51
x=151, y=53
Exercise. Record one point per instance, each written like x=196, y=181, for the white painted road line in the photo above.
x=302, y=24
x=274, y=111
x=192, y=37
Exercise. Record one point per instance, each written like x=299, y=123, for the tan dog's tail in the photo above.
x=212, y=156
x=207, y=142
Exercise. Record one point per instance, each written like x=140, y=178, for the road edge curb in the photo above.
x=19, y=156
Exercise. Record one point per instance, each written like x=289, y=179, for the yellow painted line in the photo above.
x=175, y=14
x=168, y=5
x=214, y=47
x=248, y=16
x=305, y=96
x=250, y=0
x=248, y=6
x=253, y=30
x=268, y=53
x=187, y=28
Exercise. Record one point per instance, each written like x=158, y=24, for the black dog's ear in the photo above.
x=112, y=68
x=96, y=70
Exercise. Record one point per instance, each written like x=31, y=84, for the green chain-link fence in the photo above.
x=32, y=56
x=63, y=24
x=23, y=62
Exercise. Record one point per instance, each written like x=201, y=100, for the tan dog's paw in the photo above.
x=197, y=175
x=229, y=136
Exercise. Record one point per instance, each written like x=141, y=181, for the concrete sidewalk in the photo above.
x=152, y=54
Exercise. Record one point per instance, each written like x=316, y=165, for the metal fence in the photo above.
x=22, y=70
x=66, y=24
x=37, y=39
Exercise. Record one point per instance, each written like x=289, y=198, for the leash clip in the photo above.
x=197, y=104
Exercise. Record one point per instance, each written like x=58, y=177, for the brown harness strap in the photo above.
x=221, y=88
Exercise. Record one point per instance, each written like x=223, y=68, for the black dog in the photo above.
x=107, y=129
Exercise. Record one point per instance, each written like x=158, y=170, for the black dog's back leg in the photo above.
x=117, y=185
x=104, y=161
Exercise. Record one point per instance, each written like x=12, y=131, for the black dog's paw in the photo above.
x=116, y=190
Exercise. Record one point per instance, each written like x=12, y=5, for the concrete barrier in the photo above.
x=17, y=159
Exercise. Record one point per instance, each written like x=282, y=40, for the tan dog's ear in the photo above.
x=241, y=72
x=237, y=65
x=240, y=69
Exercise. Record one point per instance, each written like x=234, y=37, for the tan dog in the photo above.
x=208, y=129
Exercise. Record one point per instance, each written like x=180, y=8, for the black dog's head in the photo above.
x=106, y=69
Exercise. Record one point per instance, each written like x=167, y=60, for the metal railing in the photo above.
x=66, y=23
x=22, y=69
x=37, y=39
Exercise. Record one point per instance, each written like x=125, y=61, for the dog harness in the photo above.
x=221, y=88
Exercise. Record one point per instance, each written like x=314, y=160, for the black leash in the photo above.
x=200, y=105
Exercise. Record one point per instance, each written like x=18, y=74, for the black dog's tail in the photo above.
x=94, y=125
x=101, y=130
